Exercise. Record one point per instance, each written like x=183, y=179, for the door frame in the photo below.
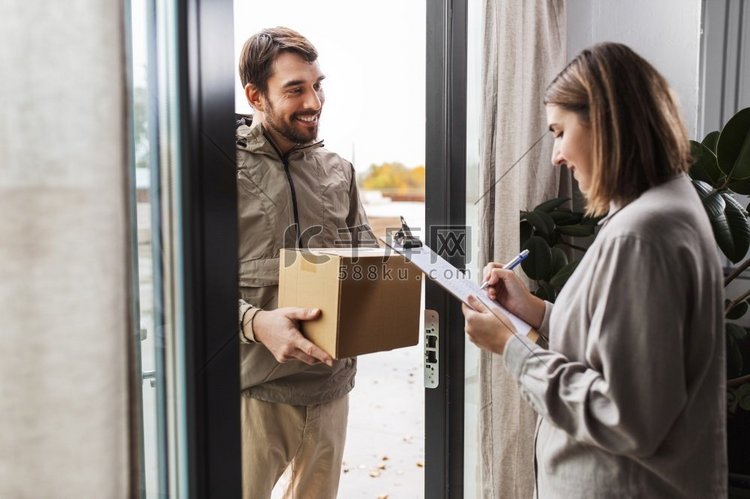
x=209, y=240
x=209, y=268
x=445, y=205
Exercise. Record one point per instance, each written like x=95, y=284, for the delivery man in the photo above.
x=291, y=193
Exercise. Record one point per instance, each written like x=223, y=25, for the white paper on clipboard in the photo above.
x=454, y=280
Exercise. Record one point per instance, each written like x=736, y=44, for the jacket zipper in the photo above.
x=285, y=160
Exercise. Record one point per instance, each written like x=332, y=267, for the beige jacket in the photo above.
x=631, y=392
x=317, y=189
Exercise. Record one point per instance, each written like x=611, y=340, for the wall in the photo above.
x=665, y=32
x=727, y=61
x=63, y=251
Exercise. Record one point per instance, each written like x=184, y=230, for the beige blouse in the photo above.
x=631, y=391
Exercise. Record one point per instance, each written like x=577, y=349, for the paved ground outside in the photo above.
x=384, y=456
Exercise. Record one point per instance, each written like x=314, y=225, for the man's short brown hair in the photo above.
x=261, y=50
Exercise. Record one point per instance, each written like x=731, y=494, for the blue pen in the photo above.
x=511, y=265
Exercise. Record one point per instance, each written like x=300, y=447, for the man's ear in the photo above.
x=254, y=97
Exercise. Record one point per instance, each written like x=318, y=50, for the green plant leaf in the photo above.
x=739, y=227
x=710, y=141
x=735, y=331
x=564, y=217
x=714, y=204
x=545, y=292
x=722, y=234
x=733, y=146
x=542, y=222
x=593, y=220
x=526, y=231
x=579, y=230
x=734, y=358
x=703, y=188
x=736, y=204
x=704, y=165
x=740, y=186
x=737, y=311
x=731, y=400
x=538, y=265
x=743, y=396
x=551, y=204
x=541, y=293
x=559, y=260
x=562, y=276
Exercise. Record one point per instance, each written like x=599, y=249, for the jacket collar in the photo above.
x=256, y=140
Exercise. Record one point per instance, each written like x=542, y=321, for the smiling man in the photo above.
x=292, y=192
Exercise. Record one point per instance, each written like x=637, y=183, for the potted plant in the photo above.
x=557, y=237
x=721, y=171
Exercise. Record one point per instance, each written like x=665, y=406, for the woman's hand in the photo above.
x=507, y=289
x=484, y=329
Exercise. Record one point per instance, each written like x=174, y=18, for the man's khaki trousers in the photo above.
x=305, y=441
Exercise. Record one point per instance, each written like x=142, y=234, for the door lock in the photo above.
x=431, y=349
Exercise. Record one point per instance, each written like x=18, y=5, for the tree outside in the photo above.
x=395, y=180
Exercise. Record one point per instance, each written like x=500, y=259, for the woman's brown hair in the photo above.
x=638, y=136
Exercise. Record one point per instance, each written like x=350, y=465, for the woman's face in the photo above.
x=573, y=144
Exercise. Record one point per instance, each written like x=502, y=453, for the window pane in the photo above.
x=152, y=247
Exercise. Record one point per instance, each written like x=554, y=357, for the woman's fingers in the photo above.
x=476, y=304
x=500, y=274
x=487, y=271
x=484, y=328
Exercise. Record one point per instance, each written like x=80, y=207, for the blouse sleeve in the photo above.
x=629, y=401
x=544, y=328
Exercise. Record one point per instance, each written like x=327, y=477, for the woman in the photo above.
x=631, y=391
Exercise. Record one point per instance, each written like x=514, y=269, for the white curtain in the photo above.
x=524, y=48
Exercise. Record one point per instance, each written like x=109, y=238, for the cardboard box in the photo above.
x=369, y=298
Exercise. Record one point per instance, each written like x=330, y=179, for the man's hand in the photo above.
x=484, y=329
x=278, y=330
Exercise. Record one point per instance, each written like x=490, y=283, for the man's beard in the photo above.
x=287, y=129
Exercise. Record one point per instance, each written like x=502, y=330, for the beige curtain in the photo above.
x=524, y=48
x=64, y=300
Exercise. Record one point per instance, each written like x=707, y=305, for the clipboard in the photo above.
x=442, y=272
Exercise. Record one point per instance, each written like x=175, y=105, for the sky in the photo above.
x=373, y=56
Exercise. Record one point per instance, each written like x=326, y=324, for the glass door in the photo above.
x=184, y=236
x=474, y=196
x=414, y=74
x=153, y=320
